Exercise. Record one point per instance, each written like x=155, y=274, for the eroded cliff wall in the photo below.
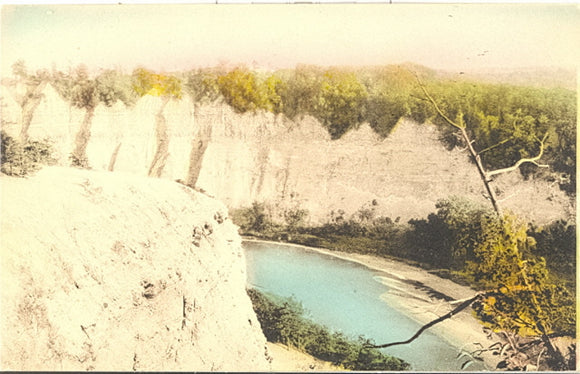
x=113, y=271
x=262, y=157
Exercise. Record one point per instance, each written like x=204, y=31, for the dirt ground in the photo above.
x=289, y=359
x=105, y=271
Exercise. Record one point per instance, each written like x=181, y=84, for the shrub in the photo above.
x=529, y=302
x=283, y=322
x=557, y=243
x=449, y=237
x=295, y=218
x=253, y=219
x=20, y=159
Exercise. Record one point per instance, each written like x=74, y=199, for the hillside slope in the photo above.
x=109, y=271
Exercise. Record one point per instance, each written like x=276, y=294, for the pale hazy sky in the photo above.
x=175, y=37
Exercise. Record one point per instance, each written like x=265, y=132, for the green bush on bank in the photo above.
x=283, y=321
x=21, y=159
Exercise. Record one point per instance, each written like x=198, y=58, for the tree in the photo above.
x=300, y=91
x=244, y=91
x=486, y=175
x=87, y=93
x=388, y=100
x=29, y=101
x=504, y=264
x=340, y=104
x=517, y=294
x=507, y=122
x=384, y=112
x=146, y=82
x=202, y=86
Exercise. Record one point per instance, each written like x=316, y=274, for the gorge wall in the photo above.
x=242, y=158
x=112, y=271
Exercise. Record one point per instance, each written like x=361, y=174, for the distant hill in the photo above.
x=536, y=77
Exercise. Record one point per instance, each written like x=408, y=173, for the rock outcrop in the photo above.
x=112, y=271
x=240, y=159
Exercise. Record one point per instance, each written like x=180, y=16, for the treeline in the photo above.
x=283, y=321
x=505, y=120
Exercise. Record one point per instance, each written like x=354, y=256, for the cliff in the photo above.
x=242, y=158
x=112, y=271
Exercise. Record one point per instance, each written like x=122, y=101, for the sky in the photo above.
x=455, y=37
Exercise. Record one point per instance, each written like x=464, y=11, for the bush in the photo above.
x=449, y=237
x=556, y=242
x=529, y=302
x=253, y=219
x=20, y=159
x=283, y=322
x=295, y=218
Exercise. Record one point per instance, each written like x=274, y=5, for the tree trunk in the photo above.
x=29, y=105
x=114, y=157
x=79, y=155
x=482, y=173
x=199, y=145
x=161, y=153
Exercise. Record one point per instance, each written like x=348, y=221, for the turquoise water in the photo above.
x=344, y=296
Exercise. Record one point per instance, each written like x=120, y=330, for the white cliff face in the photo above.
x=242, y=158
x=111, y=271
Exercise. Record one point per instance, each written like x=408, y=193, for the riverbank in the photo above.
x=424, y=297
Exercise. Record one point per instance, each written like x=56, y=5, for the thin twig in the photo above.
x=496, y=145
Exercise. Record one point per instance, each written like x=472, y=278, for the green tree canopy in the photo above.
x=202, y=85
x=246, y=91
x=147, y=82
x=341, y=102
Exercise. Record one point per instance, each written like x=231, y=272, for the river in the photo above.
x=345, y=296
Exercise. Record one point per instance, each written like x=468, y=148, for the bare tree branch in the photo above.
x=447, y=119
x=474, y=155
x=496, y=145
x=458, y=309
x=533, y=160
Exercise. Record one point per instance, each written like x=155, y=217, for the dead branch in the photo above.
x=447, y=119
x=496, y=145
x=533, y=160
x=458, y=309
x=474, y=155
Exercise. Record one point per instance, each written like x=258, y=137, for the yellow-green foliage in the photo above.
x=528, y=301
x=245, y=91
x=341, y=102
x=202, y=85
x=146, y=82
x=505, y=120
